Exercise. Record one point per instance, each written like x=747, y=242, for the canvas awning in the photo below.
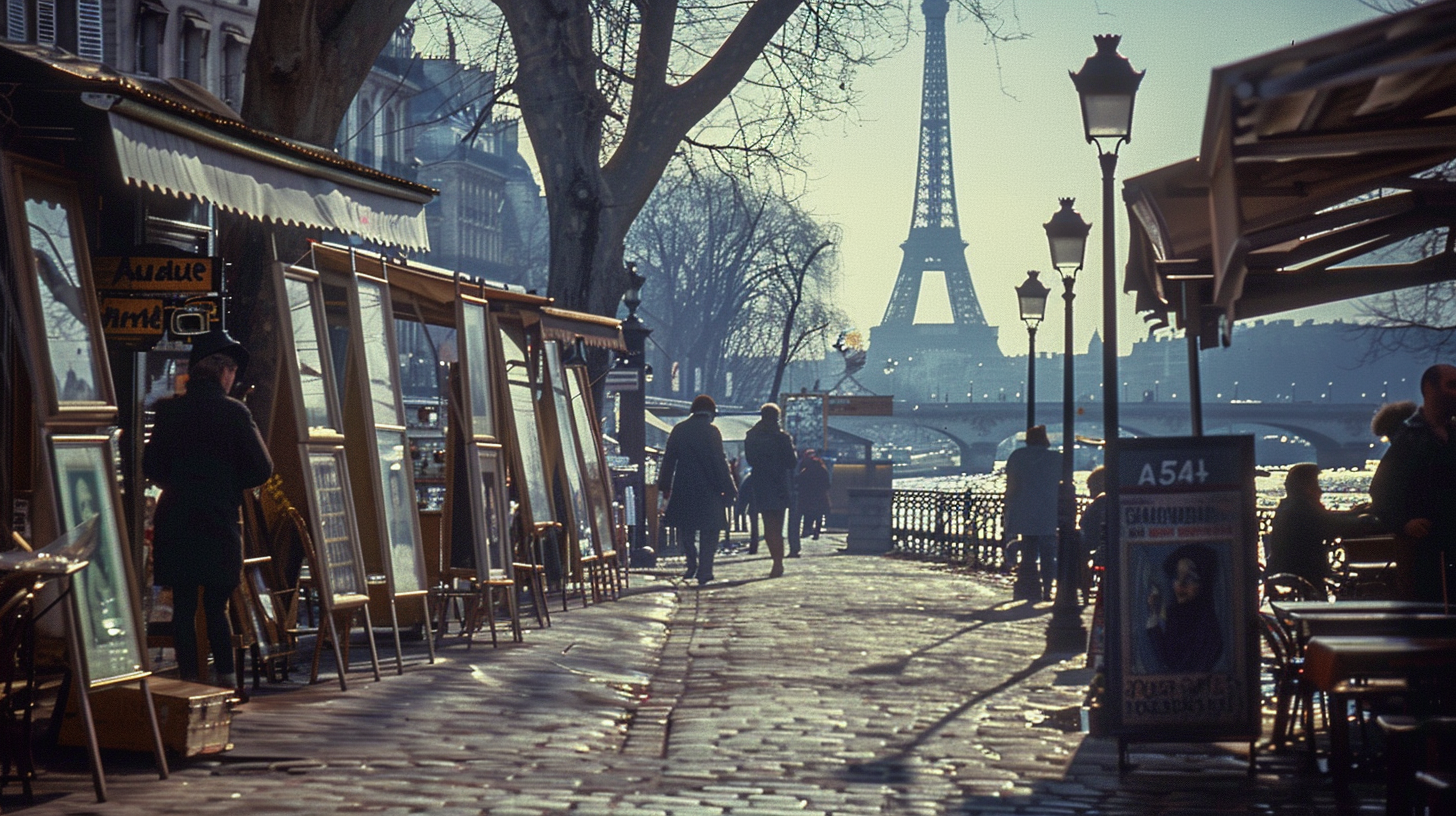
x=594, y=330
x=173, y=136
x=1313, y=158
x=164, y=152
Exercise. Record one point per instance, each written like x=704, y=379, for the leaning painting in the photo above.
x=105, y=607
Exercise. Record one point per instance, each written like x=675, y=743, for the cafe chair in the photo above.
x=17, y=681
x=1293, y=695
x=1286, y=586
x=1420, y=758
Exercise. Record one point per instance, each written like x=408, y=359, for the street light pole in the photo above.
x=1107, y=88
x=633, y=430
x=1031, y=297
x=1067, y=239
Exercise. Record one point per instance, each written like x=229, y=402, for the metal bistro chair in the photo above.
x=17, y=681
x=1293, y=695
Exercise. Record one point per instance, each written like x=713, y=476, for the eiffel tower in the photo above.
x=933, y=351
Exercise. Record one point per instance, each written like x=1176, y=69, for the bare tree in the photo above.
x=740, y=278
x=611, y=90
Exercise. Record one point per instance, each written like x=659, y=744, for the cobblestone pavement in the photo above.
x=852, y=685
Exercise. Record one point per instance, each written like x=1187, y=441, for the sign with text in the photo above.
x=1183, y=652
x=861, y=405
x=132, y=318
x=133, y=274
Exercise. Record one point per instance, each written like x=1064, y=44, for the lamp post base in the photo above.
x=1065, y=632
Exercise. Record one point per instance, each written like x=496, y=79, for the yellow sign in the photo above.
x=132, y=318
x=127, y=274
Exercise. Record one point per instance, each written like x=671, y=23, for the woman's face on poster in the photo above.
x=1187, y=582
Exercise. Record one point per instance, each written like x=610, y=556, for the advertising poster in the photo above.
x=1186, y=666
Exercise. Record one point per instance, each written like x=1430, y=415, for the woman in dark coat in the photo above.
x=204, y=452
x=695, y=481
x=770, y=452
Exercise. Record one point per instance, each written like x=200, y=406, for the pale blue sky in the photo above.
x=1018, y=144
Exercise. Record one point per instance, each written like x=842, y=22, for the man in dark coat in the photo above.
x=770, y=452
x=695, y=482
x=1411, y=492
x=204, y=452
x=1299, y=538
x=1032, y=476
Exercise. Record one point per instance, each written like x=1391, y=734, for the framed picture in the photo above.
x=521, y=392
x=108, y=619
x=402, y=547
x=312, y=382
x=804, y=420
x=492, y=537
x=60, y=307
x=475, y=347
x=582, y=522
x=375, y=327
x=336, y=542
x=594, y=465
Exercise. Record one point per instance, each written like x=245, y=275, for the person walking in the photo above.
x=770, y=452
x=813, y=494
x=1033, y=474
x=695, y=482
x=1411, y=492
x=204, y=452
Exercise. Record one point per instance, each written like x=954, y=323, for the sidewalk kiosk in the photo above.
x=132, y=179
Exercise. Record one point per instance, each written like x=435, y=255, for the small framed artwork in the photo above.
x=59, y=299
x=492, y=540
x=336, y=540
x=108, y=621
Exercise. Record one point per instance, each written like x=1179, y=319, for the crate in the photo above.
x=194, y=718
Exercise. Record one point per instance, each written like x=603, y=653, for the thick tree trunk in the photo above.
x=309, y=58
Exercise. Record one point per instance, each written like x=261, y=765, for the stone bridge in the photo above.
x=1339, y=432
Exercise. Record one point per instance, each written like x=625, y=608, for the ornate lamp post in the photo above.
x=1031, y=298
x=1067, y=238
x=1107, y=86
x=633, y=431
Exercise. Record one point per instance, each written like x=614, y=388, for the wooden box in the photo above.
x=194, y=718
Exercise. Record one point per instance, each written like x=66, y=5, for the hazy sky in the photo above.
x=1018, y=144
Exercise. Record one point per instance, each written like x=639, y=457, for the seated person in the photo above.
x=1298, y=543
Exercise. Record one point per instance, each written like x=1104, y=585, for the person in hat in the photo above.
x=1033, y=474
x=695, y=482
x=204, y=452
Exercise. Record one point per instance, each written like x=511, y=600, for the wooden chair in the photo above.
x=17, y=681
x=530, y=573
x=479, y=599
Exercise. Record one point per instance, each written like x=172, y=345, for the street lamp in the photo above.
x=633, y=401
x=1067, y=239
x=1031, y=298
x=1106, y=87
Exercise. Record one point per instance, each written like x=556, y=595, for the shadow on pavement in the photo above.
x=1000, y=613
x=892, y=768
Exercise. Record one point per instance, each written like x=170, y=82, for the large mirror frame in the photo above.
x=58, y=296
x=583, y=522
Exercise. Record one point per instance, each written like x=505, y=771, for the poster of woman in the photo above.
x=1188, y=626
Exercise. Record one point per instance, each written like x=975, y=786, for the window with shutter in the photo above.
x=89, y=29
x=45, y=22
x=16, y=20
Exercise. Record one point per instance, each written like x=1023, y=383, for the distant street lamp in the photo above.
x=1067, y=239
x=1107, y=87
x=633, y=405
x=1031, y=298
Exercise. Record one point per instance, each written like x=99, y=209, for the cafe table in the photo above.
x=1331, y=662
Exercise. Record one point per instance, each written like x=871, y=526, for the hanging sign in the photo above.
x=132, y=318
x=133, y=274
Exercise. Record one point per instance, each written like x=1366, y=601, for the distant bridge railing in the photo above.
x=966, y=528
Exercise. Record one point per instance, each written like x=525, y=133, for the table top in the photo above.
x=1331, y=659
x=1419, y=624
x=1291, y=608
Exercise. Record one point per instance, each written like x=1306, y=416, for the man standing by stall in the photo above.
x=1412, y=490
x=204, y=452
x=695, y=482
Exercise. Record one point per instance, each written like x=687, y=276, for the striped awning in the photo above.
x=164, y=152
